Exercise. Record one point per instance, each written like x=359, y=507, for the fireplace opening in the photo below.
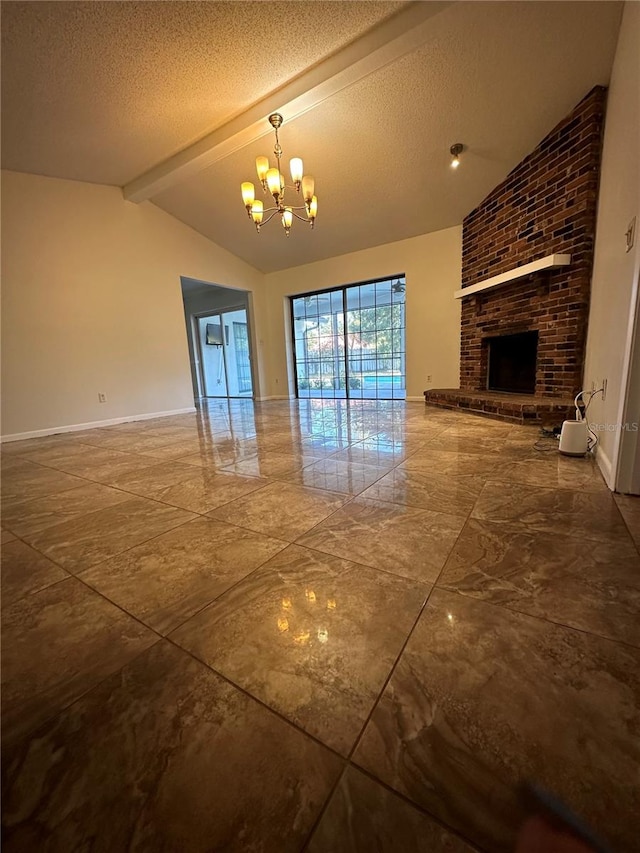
x=512, y=363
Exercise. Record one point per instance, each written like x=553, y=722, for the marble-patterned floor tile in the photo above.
x=209, y=490
x=449, y=463
x=483, y=698
x=74, y=457
x=588, y=515
x=524, y=433
x=528, y=438
x=167, y=579
x=457, y=442
x=406, y=541
x=178, y=449
x=362, y=815
x=283, y=510
x=629, y=506
x=221, y=455
x=318, y=448
x=271, y=464
x=27, y=481
x=555, y=471
x=152, y=479
x=377, y=453
x=407, y=443
x=171, y=431
x=479, y=427
x=594, y=588
x=165, y=756
x=427, y=491
x=6, y=536
x=198, y=490
x=56, y=645
x=335, y=475
x=312, y=636
x=93, y=463
x=81, y=542
x=505, y=698
x=12, y=463
x=539, y=449
x=29, y=517
x=136, y=443
x=25, y=571
x=106, y=472
x=21, y=448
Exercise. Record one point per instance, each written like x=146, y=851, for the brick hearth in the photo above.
x=546, y=205
x=517, y=408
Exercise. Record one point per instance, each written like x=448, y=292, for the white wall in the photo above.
x=92, y=302
x=615, y=272
x=432, y=264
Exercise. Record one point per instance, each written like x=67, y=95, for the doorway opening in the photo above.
x=218, y=332
x=349, y=342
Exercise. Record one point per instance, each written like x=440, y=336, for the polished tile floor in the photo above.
x=321, y=626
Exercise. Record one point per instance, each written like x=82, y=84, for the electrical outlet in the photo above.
x=429, y=378
x=102, y=397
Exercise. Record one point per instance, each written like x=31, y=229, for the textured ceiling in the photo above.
x=103, y=91
x=494, y=76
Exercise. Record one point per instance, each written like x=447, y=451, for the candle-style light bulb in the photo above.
x=287, y=220
x=308, y=187
x=313, y=210
x=273, y=183
x=257, y=211
x=297, y=171
x=248, y=195
x=262, y=167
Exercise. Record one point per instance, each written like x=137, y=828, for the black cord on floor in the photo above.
x=547, y=444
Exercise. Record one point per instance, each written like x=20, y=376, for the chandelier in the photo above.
x=272, y=181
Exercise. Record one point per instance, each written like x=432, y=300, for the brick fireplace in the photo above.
x=546, y=205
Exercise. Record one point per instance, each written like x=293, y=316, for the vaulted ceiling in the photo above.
x=169, y=100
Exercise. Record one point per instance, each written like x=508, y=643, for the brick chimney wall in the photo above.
x=547, y=204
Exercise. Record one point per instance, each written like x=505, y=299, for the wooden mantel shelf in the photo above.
x=547, y=263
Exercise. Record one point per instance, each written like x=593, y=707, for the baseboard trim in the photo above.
x=274, y=397
x=606, y=466
x=414, y=399
x=41, y=433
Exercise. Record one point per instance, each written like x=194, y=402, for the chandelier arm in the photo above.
x=297, y=215
x=269, y=218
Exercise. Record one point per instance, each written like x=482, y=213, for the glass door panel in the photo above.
x=214, y=377
x=225, y=355
x=350, y=341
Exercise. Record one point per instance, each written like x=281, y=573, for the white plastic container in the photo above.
x=574, y=438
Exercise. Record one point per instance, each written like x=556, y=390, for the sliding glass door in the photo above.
x=350, y=341
x=224, y=354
